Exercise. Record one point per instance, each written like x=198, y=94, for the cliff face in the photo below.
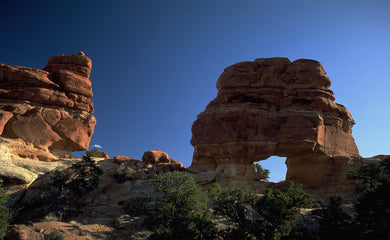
x=272, y=106
x=49, y=108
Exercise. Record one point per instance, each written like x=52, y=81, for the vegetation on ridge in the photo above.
x=273, y=216
x=94, y=153
x=373, y=205
x=269, y=216
x=179, y=209
x=60, y=193
x=4, y=213
x=264, y=173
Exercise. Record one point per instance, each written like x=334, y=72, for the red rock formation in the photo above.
x=49, y=108
x=161, y=161
x=155, y=157
x=272, y=106
x=105, y=155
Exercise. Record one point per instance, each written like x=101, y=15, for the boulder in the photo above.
x=161, y=161
x=155, y=156
x=275, y=107
x=105, y=155
x=10, y=173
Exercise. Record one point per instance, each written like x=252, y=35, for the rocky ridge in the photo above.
x=104, y=207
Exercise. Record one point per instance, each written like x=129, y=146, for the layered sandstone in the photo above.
x=50, y=108
x=272, y=106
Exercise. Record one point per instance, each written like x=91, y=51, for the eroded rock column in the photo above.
x=50, y=108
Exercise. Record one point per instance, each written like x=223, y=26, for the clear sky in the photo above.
x=156, y=63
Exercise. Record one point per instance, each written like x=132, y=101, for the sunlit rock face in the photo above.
x=272, y=106
x=50, y=108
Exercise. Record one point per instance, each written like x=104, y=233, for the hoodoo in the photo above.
x=51, y=108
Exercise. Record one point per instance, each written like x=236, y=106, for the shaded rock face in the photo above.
x=49, y=108
x=272, y=106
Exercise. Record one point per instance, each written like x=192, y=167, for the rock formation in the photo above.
x=161, y=161
x=49, y=108
x=272, y=106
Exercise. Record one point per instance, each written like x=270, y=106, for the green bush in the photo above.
x=373, y=206
x=68, y=185
x=54, y=235
x=266, y=217
x=4, y=213
x=80, y=178
x=181, y=209
x=138, y=205
x=62, y=190
x=235, y=205
x=94, y=153
x=264, y=173
x=335, y=223
x=372, y=218
x=123, y=172
x=27, y=167
x=278, y=209
x=84, y=176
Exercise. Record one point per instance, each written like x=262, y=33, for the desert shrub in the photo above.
x=27, y=167
x=300, y=232
x=335, y=223
x=181, y=211
x=278, y=209
x=123, y=172
x=80, y=178
x=266, y=217
x=138, y=205
x=4, y=213
x=54, y=235
x=235, y=205
x=261, y=171
x=68, y=185
x=62, y=190
x=94, y=153
x=373, y=205
x=84, y=176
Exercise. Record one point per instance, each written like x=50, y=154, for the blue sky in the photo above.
x=156, y=63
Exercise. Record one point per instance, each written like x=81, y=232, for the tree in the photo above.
x=84, y=176
x=262, y=171
x=373, y=205
x=4, y=213
x=62, y=192
x=181, y=209
x=335, y=223
x=94, y=153
x=236, y=206
x=277, y=209
x=266, y=217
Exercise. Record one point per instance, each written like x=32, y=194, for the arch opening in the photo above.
x=277, y=168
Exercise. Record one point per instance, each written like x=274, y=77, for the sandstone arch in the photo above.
x=272, y=106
